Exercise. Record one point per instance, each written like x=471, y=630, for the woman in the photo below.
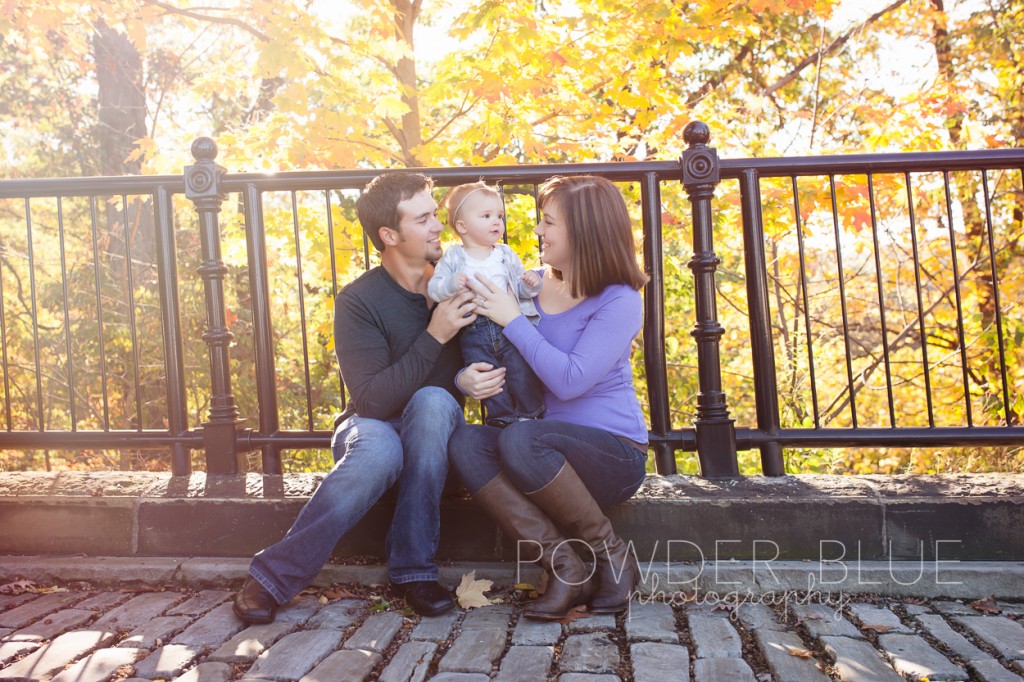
x=545, y=480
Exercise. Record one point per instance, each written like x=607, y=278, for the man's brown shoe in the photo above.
x=254, y=604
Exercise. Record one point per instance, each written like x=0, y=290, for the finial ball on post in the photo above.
x=696, y=132
x=204, y=149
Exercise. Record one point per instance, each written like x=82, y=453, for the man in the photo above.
x=399, y=363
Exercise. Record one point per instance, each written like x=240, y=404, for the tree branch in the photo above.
x=230, y=21
x=830, y=48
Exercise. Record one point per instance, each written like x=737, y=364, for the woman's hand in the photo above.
x=500, y=306
x=481, y=380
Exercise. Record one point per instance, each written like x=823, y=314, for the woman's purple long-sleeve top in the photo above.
x=582, y=358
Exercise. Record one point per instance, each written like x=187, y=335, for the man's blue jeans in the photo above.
x=370, y=456
x=523, y=395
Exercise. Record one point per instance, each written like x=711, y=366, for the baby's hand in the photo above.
x=462, y=281
x=531, y=278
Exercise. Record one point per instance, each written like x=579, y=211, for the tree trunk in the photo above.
x=410, y=136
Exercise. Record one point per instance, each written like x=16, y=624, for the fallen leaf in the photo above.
x=49, y=590
x=336, y=593
x=18, y=587
x=722, y=606
x=470, y=592
x=813, y=616
x=801, y=653
x=986, y=605
x=878, y=628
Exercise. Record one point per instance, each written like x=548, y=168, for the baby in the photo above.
x=476, y=213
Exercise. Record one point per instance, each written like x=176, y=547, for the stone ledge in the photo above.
x=844, y=518
x=797, y=581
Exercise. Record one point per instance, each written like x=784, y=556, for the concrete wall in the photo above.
x=831, y=518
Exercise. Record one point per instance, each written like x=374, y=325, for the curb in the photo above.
x=720, y=581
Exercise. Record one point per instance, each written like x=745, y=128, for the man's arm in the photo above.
x=380, y=385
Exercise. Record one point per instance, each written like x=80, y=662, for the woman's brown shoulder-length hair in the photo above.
x=600, y=233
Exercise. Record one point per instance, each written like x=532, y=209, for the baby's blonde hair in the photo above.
x=457, y=196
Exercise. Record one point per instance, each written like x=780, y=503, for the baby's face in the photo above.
x=481, y=220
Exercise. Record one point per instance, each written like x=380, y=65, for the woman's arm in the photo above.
x=608, y=335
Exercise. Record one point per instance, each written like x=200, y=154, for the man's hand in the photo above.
x=481, y=380
x=451, y=315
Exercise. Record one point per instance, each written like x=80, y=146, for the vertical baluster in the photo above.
x=302, y=313
x=129, y=263
x=655, y=363
x=842, y=301
x=806, y=301
x=41, y=425
x=881, y=301
x=67, y=315
x=766, y=389
x=995, y=298
x=170, y=315
x=960, y=335
x=262, y=325
x=94, y=222
x=920, y=302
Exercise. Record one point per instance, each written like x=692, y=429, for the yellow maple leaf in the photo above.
x=470, y=592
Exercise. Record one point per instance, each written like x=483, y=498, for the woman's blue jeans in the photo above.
x=531, y=453
x=370, y=456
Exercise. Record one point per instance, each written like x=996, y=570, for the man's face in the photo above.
x=419, y=231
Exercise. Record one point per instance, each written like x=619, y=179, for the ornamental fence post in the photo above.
x=716, y=432
x=221, y=432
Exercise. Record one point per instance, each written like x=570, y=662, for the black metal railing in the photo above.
x=852, y=301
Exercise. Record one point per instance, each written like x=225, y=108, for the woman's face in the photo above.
x=554, y=237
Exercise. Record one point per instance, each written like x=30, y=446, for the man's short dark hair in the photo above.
x=377, y=207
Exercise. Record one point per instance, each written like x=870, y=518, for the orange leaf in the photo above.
x=986, y=605
x=801, y=653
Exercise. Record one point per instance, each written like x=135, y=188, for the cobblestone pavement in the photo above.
x=92, y=636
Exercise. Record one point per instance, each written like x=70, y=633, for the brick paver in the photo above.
x=99, y=665
x=591, y=652
x=53, y=656
x=716, y=669
x=474, y=651
x=410, y=663
x=912, y=655
x=714, y=637
x=194, y=637
x=788, y=656
x=522, y=663
x=858, y=661
x=1002, y=634
x=656, y=661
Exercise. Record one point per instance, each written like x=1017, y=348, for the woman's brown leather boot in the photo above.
x=570, y=505
x=569, y=581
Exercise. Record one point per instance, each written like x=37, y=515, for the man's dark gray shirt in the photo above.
x=384, y=350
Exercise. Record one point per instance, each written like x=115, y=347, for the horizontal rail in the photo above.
x=618, y=171
x=904, y=436
x=114, y=440
x=678, y=439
